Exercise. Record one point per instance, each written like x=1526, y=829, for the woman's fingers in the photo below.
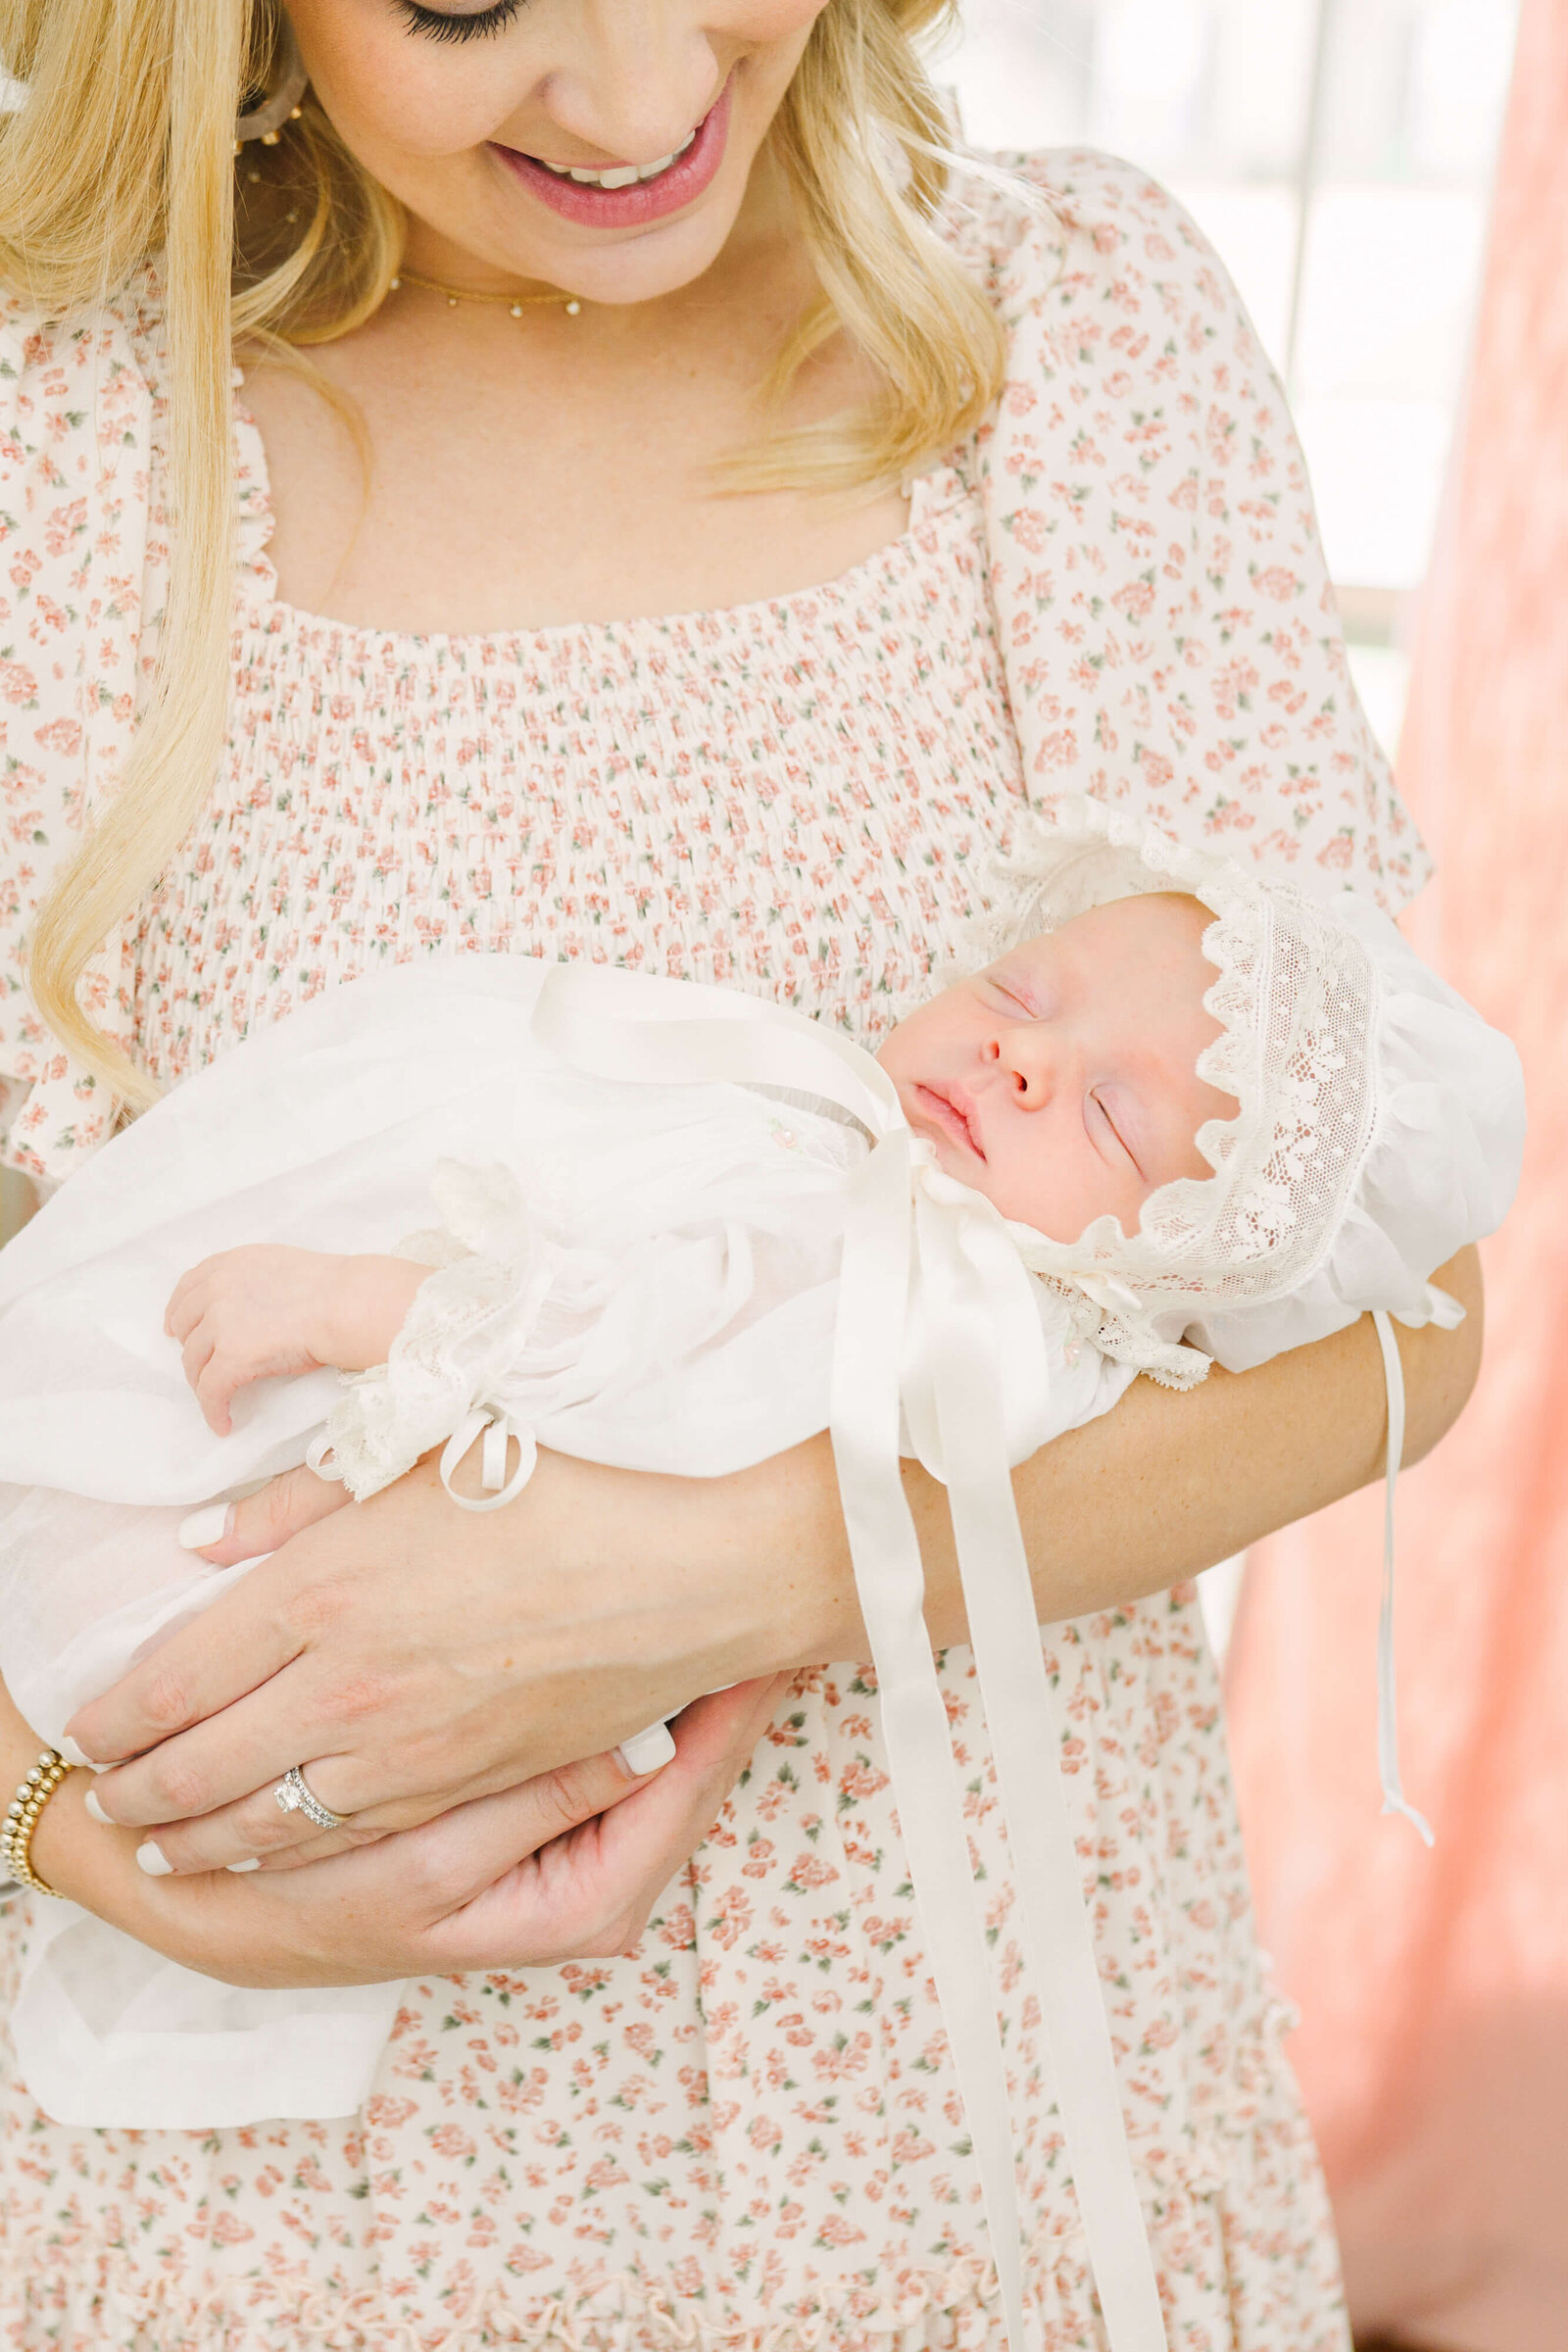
x=359, y=1918
x=588, y=1894
x=558, y=1868
x=255, y=1831
x=343, y=1653
x=319, y=1848
x=223, y=1654
x=285, y=1507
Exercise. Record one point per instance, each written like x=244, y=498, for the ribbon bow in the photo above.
x=944, y=1247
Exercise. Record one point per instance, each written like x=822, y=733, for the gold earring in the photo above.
x=265, y=122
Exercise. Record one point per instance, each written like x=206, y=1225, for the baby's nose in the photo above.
x=1027, y=1061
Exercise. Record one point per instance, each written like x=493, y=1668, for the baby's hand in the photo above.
x=263, y=1311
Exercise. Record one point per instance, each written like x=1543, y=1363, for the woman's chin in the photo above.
x=644, y=264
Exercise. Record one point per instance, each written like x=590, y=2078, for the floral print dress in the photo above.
x=745, y=2133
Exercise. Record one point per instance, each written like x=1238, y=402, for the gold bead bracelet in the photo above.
x=21, y=1818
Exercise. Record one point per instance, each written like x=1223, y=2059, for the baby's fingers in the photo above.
x=187, y=1301
x=216, y=1385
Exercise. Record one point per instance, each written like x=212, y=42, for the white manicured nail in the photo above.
x=647, y=1750
x=154, y=1861
x=254, y=1863
x=210, y=1525
x=95, y=1809
x=76, y=1755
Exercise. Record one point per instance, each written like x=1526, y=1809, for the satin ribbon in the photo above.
x=931, y=1264
x=1394, y=1799
x=494, y=1430
x=485, y=1425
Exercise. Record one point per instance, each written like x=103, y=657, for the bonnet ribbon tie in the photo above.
x=1394, y=1799
x=903, y=1246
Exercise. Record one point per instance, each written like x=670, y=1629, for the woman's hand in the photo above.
x=410, y=1656
x=567, y=1867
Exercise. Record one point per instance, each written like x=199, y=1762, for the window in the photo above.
x=1339, y=153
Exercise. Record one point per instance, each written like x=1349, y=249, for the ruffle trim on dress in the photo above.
x=57, y=2297
x=53, y=2308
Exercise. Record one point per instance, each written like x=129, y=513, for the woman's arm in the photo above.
x=1170, y=1482
x=414, y=1658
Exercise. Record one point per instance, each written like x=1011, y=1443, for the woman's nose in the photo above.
x=638, y=77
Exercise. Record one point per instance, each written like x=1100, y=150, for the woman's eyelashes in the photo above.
x=437, y=26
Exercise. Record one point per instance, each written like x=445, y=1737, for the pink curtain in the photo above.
x=1434, y=1987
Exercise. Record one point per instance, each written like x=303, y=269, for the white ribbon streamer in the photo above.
x=968, y=1272
x=1394, y=1799
x=1028, y=1730
x=890, y=1577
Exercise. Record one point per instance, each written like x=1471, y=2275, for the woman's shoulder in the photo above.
x=1169, y=630
x=1074, y=227
x=77, y=394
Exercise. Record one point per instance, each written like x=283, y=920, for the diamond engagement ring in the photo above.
x=293, y=1796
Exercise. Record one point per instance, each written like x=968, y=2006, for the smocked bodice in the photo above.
x=788, y=796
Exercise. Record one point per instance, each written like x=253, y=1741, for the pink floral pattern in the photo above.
x=747, y=2131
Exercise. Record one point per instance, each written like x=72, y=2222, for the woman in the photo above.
x=618, y=309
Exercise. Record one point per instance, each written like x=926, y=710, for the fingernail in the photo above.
x=210, y=1525
x=254, y=1863
x=95, y=1809
x=74, y=1754
x=647, y=1750
x=154, y=1861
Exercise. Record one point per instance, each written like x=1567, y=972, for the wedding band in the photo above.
x=293, y=1796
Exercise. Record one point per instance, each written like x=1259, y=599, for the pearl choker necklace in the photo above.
x=516, y=303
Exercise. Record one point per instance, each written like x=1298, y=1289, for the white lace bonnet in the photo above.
x=1381, y=1122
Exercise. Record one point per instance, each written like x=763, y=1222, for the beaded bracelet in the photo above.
x=22, y=1819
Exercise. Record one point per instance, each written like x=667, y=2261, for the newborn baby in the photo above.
x=1172, y=1115
x=1060, y=1082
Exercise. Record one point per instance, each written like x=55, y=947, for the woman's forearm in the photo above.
x=1162, y=1487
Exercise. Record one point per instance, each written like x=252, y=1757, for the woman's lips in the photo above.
x=647, y=199
x=952, y=1116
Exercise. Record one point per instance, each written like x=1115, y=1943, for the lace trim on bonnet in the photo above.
x=1297, y=998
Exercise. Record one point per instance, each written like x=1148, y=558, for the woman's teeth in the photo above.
x=624, y=175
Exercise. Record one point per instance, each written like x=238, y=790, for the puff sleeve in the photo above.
x=1168, y=629
x=80, y=556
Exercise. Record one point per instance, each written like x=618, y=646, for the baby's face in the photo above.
x=1061, y=1081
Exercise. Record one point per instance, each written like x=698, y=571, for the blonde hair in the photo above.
x=124, y=150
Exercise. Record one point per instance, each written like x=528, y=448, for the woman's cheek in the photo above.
x=407, y=114
x=766, y=24
x=389, y=92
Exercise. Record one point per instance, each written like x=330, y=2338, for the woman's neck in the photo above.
x=537, y=470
